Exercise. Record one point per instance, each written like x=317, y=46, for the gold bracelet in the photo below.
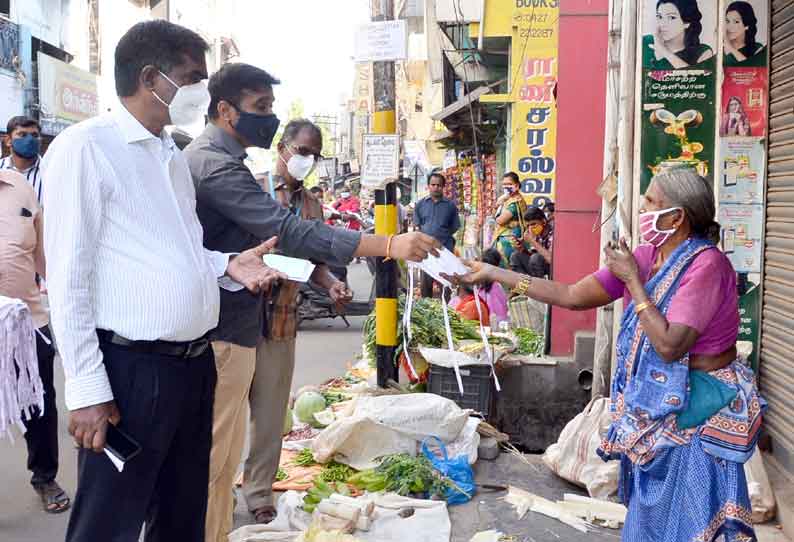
x=641, y=307
x=388, y=249
x=522, y=287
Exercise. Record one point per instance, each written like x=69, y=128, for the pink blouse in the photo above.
x=706, y=299
x=497, y=300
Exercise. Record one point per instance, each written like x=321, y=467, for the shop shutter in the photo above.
x=777, y=336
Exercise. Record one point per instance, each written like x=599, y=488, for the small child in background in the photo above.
x=495, y=295
x=493, y=299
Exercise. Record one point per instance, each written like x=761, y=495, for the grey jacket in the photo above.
x=237, y=214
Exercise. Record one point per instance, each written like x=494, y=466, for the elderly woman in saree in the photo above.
x=509, y=218
x=686, y=411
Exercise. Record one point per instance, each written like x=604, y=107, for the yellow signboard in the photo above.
x=533, y=151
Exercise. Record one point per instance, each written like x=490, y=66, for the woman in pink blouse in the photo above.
x=686, y=412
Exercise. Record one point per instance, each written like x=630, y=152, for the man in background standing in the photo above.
x=438, y=217
x=23, y=138
x=269, y=395
x=21, y=258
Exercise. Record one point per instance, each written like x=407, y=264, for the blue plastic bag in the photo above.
x=458, y=470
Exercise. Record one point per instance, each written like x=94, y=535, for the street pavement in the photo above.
x=324, y=349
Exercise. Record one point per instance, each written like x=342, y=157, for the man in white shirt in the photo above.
x=133, y=294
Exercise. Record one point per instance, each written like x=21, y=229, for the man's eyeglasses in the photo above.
x=306, y=151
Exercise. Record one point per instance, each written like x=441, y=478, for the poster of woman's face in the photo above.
x=746, y=26
x=678, y=34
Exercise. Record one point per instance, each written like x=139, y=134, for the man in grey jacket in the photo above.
x=236, y=214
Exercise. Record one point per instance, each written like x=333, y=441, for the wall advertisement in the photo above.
x=67, y=94
x=742, y=156
x=533, y=90
x=679, y=87
x=687, y=120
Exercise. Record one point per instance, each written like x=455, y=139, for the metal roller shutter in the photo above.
x=777, y=335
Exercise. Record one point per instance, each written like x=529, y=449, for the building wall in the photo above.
x=581, y=95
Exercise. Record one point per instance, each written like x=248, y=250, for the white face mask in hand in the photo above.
x=188, y=105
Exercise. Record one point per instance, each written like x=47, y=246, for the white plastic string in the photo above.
x=448, y=329
x=485, y=339
x=409, y=304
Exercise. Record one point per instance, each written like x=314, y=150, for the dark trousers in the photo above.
x=166, y=406
x=42, y=429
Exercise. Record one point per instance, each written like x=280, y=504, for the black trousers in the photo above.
x=166, y=405
x=41, y=433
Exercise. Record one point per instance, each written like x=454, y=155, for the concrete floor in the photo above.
x=324, y=349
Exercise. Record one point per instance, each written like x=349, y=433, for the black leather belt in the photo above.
x=190, y=349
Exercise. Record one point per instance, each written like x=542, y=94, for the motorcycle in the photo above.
x=314, y=303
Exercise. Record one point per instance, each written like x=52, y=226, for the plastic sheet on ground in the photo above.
x=386, y=425
x=429, y=522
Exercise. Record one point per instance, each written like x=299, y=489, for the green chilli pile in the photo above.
x=427, y=327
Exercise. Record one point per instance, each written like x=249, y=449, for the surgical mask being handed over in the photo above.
x=299, y=166
x=649, y=231
x=189, y=104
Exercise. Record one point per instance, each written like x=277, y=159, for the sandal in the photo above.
x=53, y=497
x=265, y=514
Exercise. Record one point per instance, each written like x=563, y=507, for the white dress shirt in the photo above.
x=124, y=247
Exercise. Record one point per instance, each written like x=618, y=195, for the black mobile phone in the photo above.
x=120, y=444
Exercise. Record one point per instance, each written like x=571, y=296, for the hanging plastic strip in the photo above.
x=488, y=347
x=450, y=343
x=409, y=304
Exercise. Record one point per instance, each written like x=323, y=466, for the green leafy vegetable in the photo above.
x=427, y=327
x=305, y=458
x=529, y=342
x=281, y=475
x=336, y=472
x=404, y=475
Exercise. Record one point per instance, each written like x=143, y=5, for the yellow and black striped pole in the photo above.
x=384, y=121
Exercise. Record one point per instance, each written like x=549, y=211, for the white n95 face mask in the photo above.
x=299, y=166
x=189, y=104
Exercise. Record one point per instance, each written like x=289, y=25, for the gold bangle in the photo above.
x=522, y=287
x=388, y=248
x=641, y=307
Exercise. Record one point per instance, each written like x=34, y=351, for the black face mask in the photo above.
x=258, y=130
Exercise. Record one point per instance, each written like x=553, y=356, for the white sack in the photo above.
x=573, y=457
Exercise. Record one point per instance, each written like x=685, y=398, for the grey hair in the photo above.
x=295, y=126
x=684, y=188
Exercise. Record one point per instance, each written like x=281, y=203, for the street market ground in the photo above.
x=323, y=351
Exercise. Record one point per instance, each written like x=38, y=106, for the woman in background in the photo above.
x=509, y=218
x=495, y=295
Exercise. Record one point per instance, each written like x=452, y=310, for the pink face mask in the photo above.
x=652, y=235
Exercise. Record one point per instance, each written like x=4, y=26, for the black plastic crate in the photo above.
x=478, y=388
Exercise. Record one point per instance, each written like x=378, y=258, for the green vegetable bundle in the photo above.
x=529, y=342
x=427, y=327
x=336, y=472
x=305, y=458
x=322, y=490
x=402, y=474
x=281, y=475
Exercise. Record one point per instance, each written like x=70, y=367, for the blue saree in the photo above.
x=679, y=485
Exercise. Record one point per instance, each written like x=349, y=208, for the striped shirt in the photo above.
x=32, y=174
x=123, y=246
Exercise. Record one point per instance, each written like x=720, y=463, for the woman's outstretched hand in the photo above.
x=621, y=262
x=480, y=273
